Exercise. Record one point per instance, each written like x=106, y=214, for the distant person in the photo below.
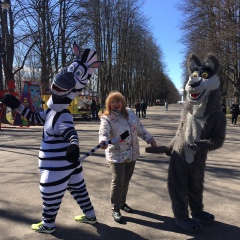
x=98, y=106
x=224, y=108
x=166, y=105
x=121, y=155
x=235, y=112
x=93, y=108
x=138, y=108
x=143, y=108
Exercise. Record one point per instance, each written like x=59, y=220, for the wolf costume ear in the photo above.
x=212, y=62
x=193, y=62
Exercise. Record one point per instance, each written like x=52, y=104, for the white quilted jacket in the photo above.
x=113, y=126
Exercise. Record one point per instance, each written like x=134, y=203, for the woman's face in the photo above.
x=116, y=105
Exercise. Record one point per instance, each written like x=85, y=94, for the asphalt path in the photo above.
x=21, y=205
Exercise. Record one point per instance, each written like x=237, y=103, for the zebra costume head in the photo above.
x=71, y=80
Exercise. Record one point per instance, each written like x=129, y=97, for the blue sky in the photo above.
x=164, y=24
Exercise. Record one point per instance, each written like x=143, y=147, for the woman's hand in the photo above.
x=105, y=146
x=153, y=143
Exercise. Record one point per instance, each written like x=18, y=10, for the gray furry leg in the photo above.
x=203, y=217
x=190, y=225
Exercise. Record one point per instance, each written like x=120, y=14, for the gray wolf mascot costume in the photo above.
x=202, y=129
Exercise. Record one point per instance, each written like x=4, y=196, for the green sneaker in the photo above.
x=84, y=219
x=39, y=227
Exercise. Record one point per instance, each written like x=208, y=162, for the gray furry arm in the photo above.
x=215, y=131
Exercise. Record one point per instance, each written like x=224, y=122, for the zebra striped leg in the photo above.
x=53, y=185
x=78, y=190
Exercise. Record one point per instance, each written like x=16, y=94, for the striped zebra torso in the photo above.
x=58, y=133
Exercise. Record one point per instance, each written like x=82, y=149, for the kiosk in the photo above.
x=30, y=98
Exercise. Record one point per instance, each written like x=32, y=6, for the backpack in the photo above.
x=137, y=105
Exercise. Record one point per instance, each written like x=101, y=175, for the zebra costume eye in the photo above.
x=77, y=69
x=79, y=73
x=71, y=68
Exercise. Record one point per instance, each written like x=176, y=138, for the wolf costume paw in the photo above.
x=168, y=152
x=198, y=145
x=203, y=217
x=190, y=225
x=11, y=101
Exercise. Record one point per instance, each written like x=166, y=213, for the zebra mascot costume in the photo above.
x=59, y=151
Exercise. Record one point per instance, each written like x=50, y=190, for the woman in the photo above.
x=122, y=155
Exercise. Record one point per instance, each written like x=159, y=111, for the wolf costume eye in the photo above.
x=195, y=74
x=204, y=75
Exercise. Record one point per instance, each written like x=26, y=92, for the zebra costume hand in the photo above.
x=72, y=154
x=11, y=101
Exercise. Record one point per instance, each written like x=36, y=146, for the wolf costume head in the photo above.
x=202, y=87
x=202, y=78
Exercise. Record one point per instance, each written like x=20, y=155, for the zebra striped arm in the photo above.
x=27, y=113
x=14, y=103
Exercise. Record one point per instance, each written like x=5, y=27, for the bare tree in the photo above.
x=7, y=43
x=213, y=26
x=45, y=30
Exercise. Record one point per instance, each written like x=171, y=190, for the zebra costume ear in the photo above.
x=76, y=50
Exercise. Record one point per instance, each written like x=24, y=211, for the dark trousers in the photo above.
x=93, y=114
x=138, y=112
x=121, y=175
x=143, y=113
x=96, y=114
x=234, y=118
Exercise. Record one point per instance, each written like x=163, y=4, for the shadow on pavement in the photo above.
x=103, y=232
x=216, y=230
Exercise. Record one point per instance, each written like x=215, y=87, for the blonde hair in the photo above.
x=115, y=95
